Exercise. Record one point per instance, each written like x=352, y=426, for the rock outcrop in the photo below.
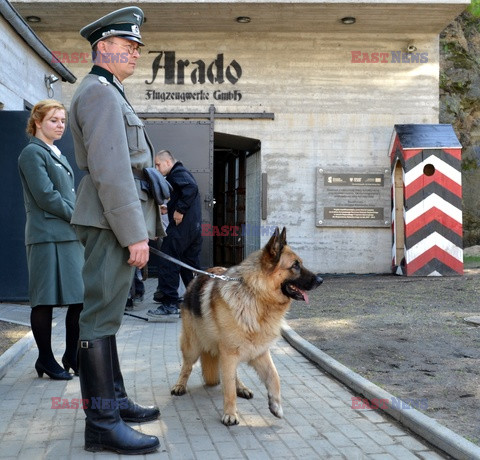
x=460, y=106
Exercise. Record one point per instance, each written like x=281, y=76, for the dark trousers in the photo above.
x=107, y=278
x=185, y=245
x=137, y=288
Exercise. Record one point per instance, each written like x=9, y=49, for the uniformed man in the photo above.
x=114, y=219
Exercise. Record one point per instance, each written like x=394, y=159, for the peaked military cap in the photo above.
x=124, y=23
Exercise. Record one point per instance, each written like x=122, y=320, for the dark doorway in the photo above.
x=399, y=202
x=235, y=188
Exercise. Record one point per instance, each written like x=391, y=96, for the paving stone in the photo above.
x=410, y=443
x=381, y=457
x=382, y=438
x=400, y=452
x=259, y=454
x=318, y=422
x=368, y=445
x=10, y=448
x=429, y=455
x=390, y=429
x=352, y=452
x=323, y=447
x=207, y=455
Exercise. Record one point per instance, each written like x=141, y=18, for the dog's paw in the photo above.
x=275, y=406
x=276, y=409
x=245, y=393
x=178, y=390
x=230, y=419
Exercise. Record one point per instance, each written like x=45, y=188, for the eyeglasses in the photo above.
x=130, y=48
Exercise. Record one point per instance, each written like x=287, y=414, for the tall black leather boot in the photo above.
x=104, y=428
x=130, y=411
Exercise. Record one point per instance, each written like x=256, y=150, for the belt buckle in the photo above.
x=83, y=343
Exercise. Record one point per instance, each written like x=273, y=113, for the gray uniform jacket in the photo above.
x=48, y=192
x=110, y=142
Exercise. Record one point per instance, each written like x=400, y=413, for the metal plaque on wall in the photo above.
x=353, y=198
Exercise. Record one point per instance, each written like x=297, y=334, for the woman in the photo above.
x=54, y=255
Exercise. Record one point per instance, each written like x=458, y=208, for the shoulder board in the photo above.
x=103, y=81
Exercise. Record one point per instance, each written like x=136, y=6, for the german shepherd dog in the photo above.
x=228, y=322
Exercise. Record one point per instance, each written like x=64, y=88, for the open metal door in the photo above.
x=191, y=142
x=13, y=263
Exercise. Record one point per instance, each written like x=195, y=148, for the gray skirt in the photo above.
x=55, y=273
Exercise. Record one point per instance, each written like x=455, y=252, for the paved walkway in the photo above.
x=319, y=422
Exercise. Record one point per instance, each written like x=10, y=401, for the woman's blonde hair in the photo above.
x=40, y=111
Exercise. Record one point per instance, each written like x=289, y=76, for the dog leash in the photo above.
x=188, y=267
x=135, y=316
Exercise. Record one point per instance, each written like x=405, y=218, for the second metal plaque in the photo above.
x=353, y=198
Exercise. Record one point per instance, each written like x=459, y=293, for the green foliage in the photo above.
x=472, y=259
x=469, y=164
x=471, y=262
x=471, y=229
x=474, y=8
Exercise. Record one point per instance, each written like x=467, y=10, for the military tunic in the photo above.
x=111, y=212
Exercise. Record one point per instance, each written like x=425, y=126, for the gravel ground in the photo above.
x=10, y=333
x=407, y=335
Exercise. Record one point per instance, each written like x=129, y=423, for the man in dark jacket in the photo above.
x=184, y=238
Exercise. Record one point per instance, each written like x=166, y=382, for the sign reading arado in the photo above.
x=181, y=72
x=187, y=71
x=353, y=198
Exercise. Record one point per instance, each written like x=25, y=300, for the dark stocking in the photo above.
x=71, y=333
x=41, y=322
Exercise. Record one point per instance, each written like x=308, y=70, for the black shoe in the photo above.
x=130, y=411
x=67, y=365
x=104, y=428
x=60, y=375
x=158, y=296
x=129, y=304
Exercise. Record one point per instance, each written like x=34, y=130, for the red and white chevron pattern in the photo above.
x=432, y=210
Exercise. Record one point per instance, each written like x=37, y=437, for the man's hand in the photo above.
x=139, y=254
x=177, y=217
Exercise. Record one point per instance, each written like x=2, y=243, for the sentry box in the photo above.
x=426, y=201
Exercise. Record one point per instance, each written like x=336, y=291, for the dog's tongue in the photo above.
x=305, y=295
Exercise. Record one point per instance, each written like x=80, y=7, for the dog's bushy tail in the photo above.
x=210, y=369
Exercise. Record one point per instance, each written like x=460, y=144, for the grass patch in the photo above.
x=471, y=261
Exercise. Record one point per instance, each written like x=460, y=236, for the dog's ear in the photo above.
x=275, y=245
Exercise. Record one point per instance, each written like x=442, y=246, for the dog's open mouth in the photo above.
x=294, y=292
